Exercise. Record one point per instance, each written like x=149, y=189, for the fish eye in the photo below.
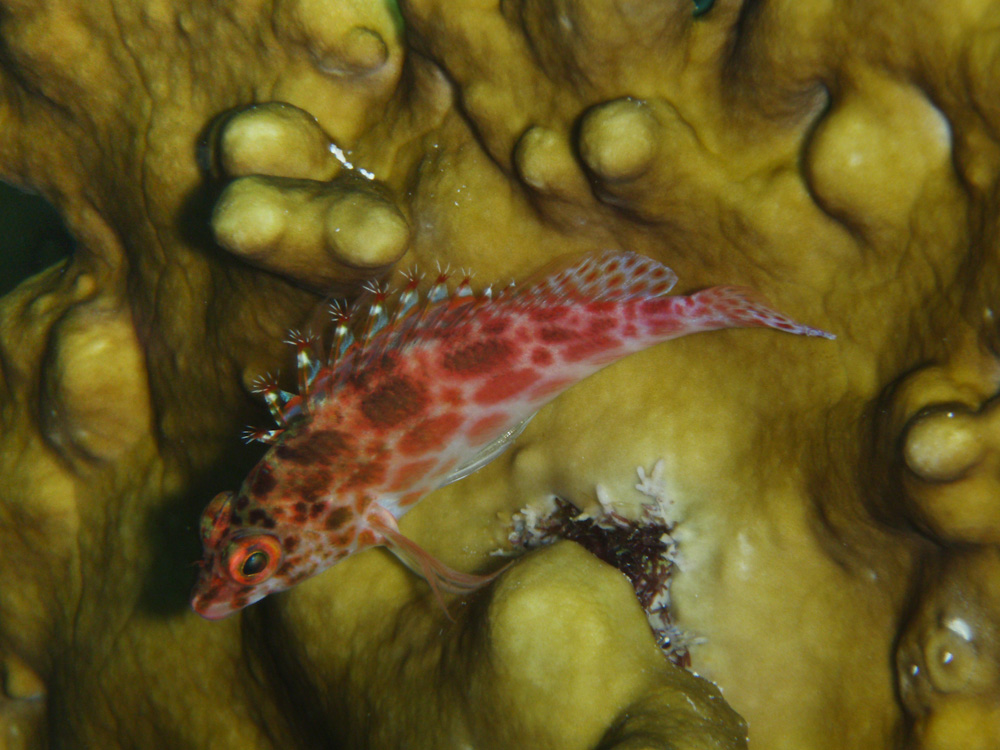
x=255, y=562
x=253, y=559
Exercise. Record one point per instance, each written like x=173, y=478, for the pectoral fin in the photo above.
x=439, y=576
x=488, y=453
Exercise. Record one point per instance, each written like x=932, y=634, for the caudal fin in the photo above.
x=742, y=307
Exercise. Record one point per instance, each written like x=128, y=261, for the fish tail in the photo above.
x=743, y=307
x=612, y=275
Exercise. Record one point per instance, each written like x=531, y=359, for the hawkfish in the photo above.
x=419, y=390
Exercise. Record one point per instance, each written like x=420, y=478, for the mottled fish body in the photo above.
x=432, y=392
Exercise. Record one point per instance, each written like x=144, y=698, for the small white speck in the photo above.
x=947, y=657
x=339, y=154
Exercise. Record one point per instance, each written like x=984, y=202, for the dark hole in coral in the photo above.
x=32, y=236
x=642, y=550
x=636, y=550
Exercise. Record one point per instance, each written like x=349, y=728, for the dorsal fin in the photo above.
x=608, y=275
x=393, y=321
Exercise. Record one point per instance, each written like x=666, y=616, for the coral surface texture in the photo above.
x=225, y=168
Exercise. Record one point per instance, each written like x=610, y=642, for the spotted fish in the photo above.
x=434, y=387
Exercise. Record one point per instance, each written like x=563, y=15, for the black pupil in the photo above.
x=255, y=563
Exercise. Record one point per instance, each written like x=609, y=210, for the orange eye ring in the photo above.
x=253, y=559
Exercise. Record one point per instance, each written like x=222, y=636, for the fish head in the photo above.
x=240, y=565
x=254, y=546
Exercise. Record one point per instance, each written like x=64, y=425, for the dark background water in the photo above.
x=32, y=236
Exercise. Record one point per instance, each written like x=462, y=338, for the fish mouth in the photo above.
x=210, y=608
x=212, y=598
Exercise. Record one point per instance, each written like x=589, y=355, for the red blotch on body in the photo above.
x=502, y=387
x=593, y=347
x=541, y=356
x=313, y=484
x=601, y=325
x=452, y=396
x=262, y=480
x=411, y=472
x=365, y=475
x=478, y=357
x=258, y=517
x=495, y=326
x=486, y=427
x=430, y=434
x=394, y=400
x=367, y=538
x=548, y=313
x=337, y=518
x=341, y=539
x=313, y=447
x=553, y=334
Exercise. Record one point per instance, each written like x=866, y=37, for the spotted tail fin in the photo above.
x=742, y=307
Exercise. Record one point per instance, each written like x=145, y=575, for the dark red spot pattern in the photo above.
x=495, y=326
x=313, y=483
x=541, y=356
x=262, y=481
x=258, y=517
x=548, y=313
x=392, y=401
x=313, y=447
x=478, y=357
x=365, y=475
x=337, y=518
x=591, y=347
x=601, y=325
x=430, y=434
x=554, y=334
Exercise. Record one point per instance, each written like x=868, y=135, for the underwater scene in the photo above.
x=562, y=374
